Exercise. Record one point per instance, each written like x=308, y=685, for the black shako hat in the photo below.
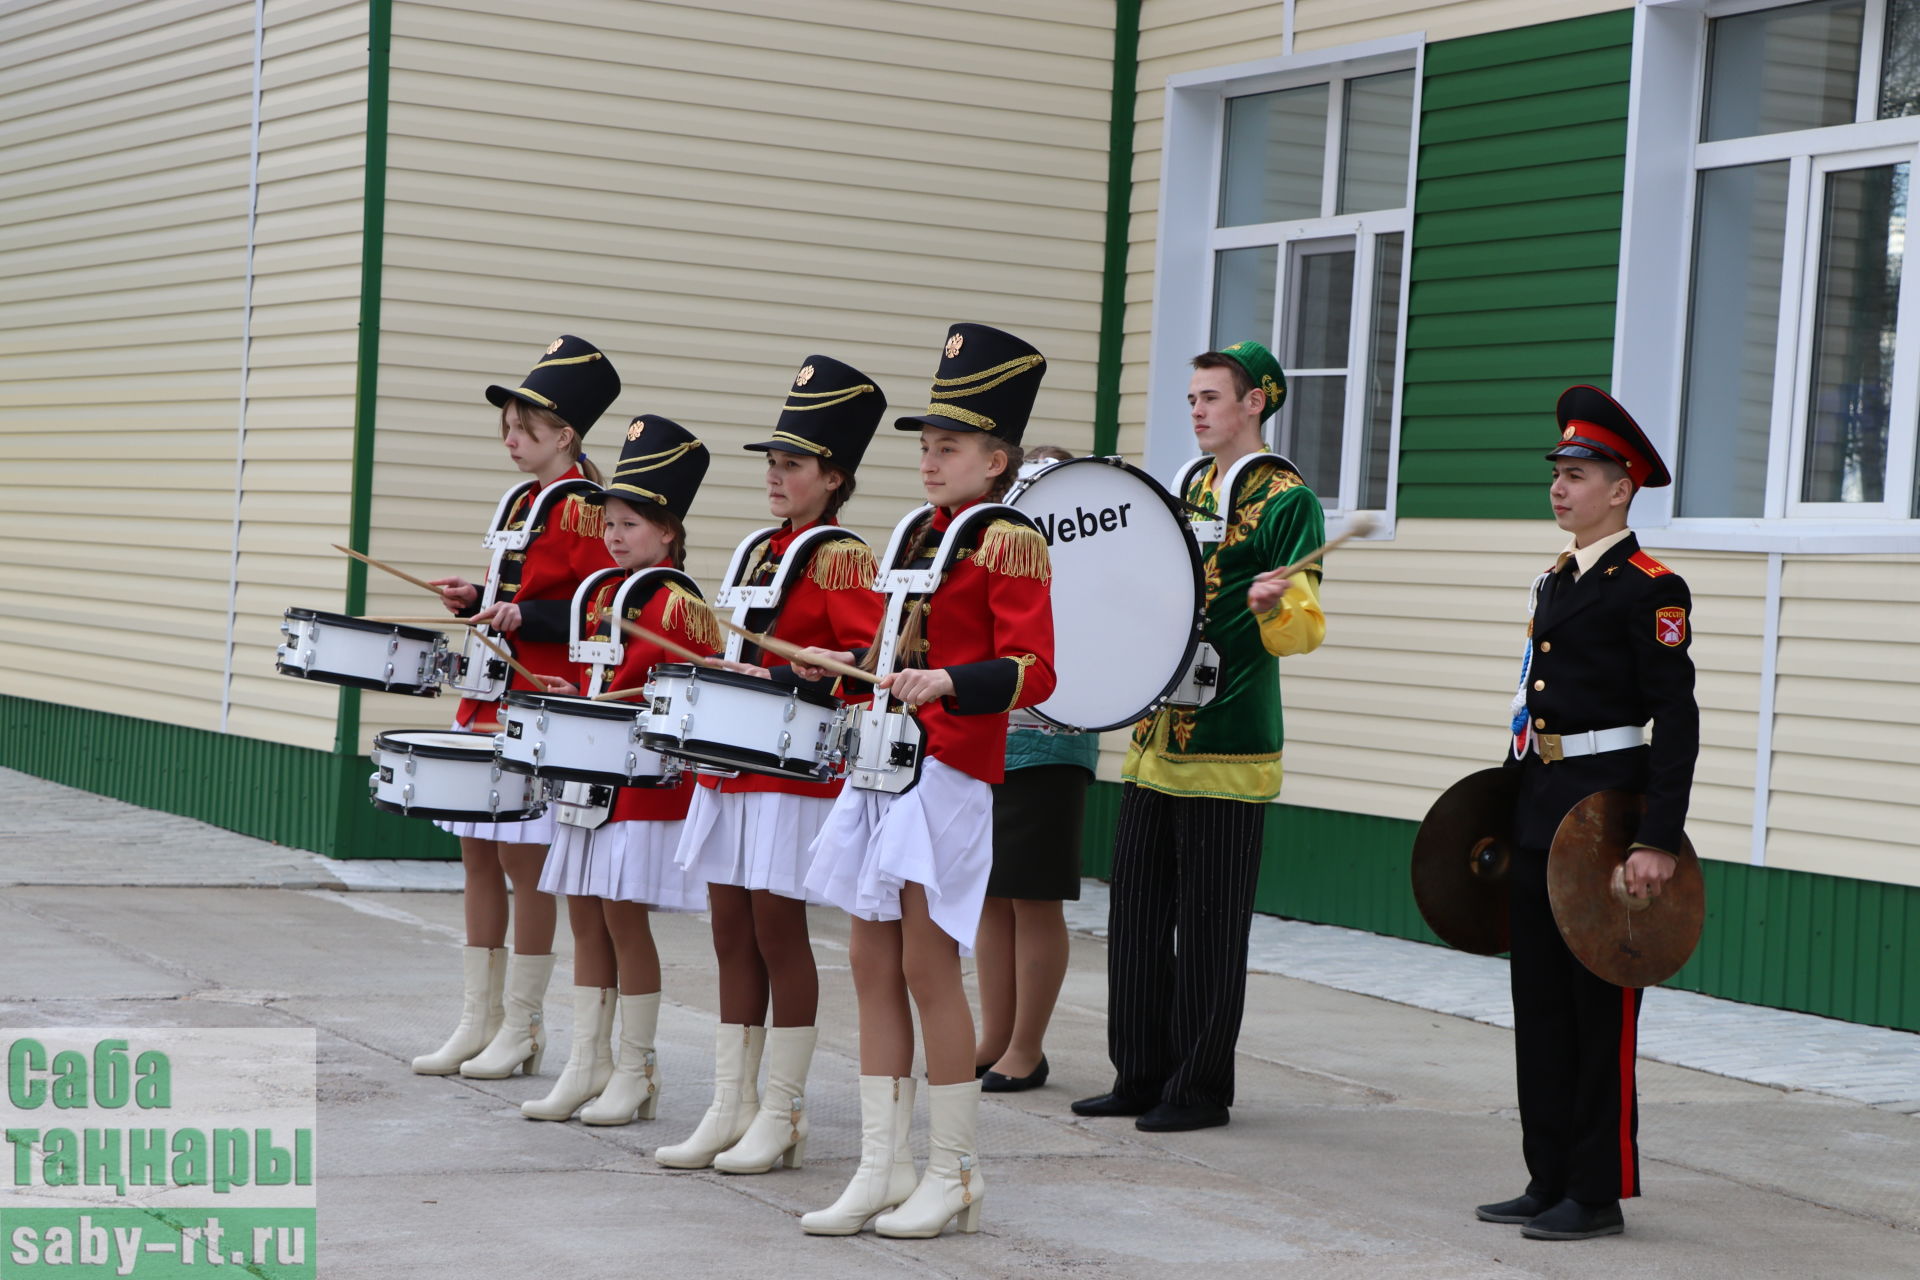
x=574, y=379
x=831, y=412
x=660, y=463
x=986, y=382
x=1593, y=425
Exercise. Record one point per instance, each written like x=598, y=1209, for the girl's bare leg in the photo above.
x=931, y=961
x=743, y=974
x=632, y=934
x=533, y=911
x=886, y=1021
x=593, y=954
x=485, y=898
x=786, y=957
x=993, y=969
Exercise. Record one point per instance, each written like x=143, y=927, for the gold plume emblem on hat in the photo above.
x=1272, y=388
x=555, y=345
x=803, y=377
x=1567, y=434
x=634, y=431
x=954, y=344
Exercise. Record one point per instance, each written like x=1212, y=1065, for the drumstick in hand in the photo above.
x=424, y=622
x=525, y=674
x=1358, y=527
x=672, y=646
x=619, y=694
x=794, y=652
x=367, y=559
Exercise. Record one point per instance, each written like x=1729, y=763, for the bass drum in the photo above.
x=1129, y=594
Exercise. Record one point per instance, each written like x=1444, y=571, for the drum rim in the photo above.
x=459, y=815
x=745, y=759
x=408, y=688
x=1195, y=559
x=733, y=679
x=386, y=739
x=642, y=781
x=575, y=704
x=351, y=623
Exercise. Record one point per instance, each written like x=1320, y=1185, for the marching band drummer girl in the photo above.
x=747, y=837
x=542, y=423
x=614, y=875
x=912, y=868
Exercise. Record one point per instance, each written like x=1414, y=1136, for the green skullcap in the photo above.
x=1263, y=369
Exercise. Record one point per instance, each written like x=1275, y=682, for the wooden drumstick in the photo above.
x=619, y=694
x=422, y=583
x=672, y=646
x=793, y=652
x=1358, y=527
x=424, y=622
x=525, y=674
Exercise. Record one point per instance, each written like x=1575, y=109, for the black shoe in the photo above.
x=980, y=1070
x=1571, y=1220
x=1519, y=1209
x=993, y=1082
x=1173, y=1117
x=1113, y=1104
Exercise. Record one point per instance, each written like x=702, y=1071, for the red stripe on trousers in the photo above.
x=1628, y=1026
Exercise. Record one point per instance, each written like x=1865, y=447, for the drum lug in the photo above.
x=633, y=764
x=792, y=710
x=540, y=723
x=539, y=753
x=686, y=722
x=393, y=646
x=389, y=672
x=693, y=694
x=786, y=744
x=406, y=794
x=493, y=799
x=373, y=783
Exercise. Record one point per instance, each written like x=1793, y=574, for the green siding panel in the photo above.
x=1790, y=939
x=290, y=795
x=1516, y=245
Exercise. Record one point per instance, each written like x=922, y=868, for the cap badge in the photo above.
x=805, y=376
x=1567, y=434
x=556, y=345
x=954, y=344
x=633, y=432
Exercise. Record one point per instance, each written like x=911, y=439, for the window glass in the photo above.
x=1377, y=131
x=1243, y=294
x=1776, y=70
x=1275, y=156
x=1862, y=237
x=1377, y=439
x=1900, y=60
x=1726, y=418
x=1322, y=309
x=1315, y=413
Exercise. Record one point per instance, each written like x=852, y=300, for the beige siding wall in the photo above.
x=1324, y=24
x=123, y=231
x=710, y=192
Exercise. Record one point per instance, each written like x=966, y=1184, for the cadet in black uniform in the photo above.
x=1607, y=652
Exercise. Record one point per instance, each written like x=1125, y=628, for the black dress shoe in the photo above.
x=1113, y=1104
x=1518, y=1209
x=1571, y=1220
x=993, y=1082
x=1174, y=1117
x=980, y=1070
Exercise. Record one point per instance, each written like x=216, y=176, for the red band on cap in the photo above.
x=1595, y=436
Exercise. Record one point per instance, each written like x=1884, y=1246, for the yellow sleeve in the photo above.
x=1295, y=625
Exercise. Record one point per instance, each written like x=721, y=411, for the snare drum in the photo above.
x=580, y=740
x=337, y=649
x=455, y=777
x=732, y=721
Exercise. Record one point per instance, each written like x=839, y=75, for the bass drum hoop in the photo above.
x=1178, y=512
x=348, y=622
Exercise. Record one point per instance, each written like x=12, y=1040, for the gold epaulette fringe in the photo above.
x=578, y=517
x=842, y=565
x=689, y=614
x=1014, y=550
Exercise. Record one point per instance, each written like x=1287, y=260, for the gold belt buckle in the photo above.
x=1549, y=747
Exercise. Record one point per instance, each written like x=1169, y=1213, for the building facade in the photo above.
x=257, y=276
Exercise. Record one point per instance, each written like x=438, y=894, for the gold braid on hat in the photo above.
x=646, y=462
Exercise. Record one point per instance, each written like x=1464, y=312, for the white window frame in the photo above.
x=1656, y=273
x=1188, y=242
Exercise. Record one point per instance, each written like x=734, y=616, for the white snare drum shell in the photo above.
x=731, y=721
x=453, y=777
x=340, y=649
x=579, y=740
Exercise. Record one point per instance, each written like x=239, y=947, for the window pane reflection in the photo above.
x=1781, y=69
x=1900, y=60
x=1727, y=412
x=1377, y=438
x=1373, y=153
x=1862, y=239
x=1243, y=294
x=1276, y=150
x=1310, y=436
x=1322, y=310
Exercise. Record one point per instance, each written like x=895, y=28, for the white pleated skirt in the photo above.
x=753, y=839
x=939, y=835
x=625, y=861
x=538, y=830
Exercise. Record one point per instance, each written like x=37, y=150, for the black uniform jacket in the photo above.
x=1612, y=649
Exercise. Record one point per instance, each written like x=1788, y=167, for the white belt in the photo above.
x=1566, y=746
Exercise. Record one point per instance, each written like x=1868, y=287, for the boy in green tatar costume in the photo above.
x=1187, y=852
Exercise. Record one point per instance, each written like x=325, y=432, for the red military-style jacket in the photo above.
x=561, y=554
x=831, y=606
x=990, y=625
x=678, y=614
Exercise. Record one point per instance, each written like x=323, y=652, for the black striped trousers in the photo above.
x=1184, y=871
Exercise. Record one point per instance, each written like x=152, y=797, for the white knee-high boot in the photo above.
x=736, y=1070
x=634, y=1089
x=952, y=1185
x=779, y=1128
x=589, y=1059
x=484, y=970
x=885, y=1176
x=521, y=1041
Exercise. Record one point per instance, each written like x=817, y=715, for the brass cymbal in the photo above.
x=1630, y=942
x=1460, y=860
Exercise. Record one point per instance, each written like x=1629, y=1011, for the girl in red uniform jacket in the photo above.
x=912, y=868
x=616, y=874
x=748, y=837
x=542, y=423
